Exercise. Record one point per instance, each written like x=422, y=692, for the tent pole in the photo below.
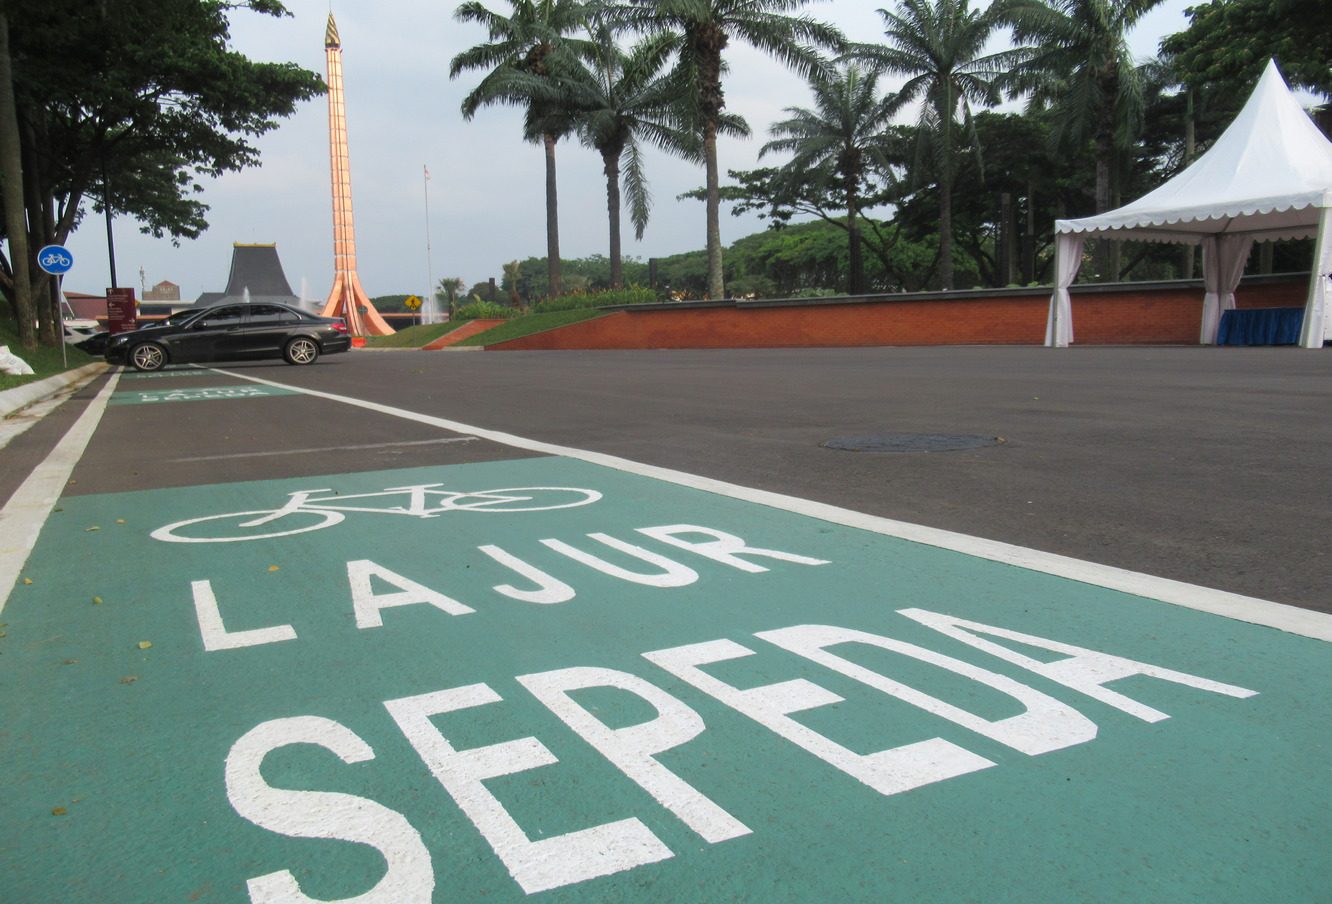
x=1314, y=330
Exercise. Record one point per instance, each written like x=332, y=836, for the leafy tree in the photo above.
x=482, y=291
x=683, y=275
x=938, y=45
x=129, y=104
x=833, y=145
x=700, y=30
x=1228, y=42
x=511, y=271
x=590, y=273
x=390, y=304
x=522, y=43
x=1081, y=68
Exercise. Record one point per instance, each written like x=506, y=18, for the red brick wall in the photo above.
x=1146, y=316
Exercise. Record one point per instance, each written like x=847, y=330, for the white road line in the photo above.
x=18, y=423
x=25, y=513
x=359, y=448
x=1250, y=609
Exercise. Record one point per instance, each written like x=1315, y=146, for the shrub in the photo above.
x=483, y=310
x=604, y=298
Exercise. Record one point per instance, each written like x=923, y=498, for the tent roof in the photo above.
x=1267, y=175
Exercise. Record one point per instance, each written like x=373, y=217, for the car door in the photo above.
x=266, y=330
x=213, y=335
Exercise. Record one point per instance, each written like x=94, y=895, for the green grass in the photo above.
x=414, y=336
x=529, y=324
x=45, y=361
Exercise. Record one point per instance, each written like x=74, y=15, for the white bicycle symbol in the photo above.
x=423, y=501
x=53, y=258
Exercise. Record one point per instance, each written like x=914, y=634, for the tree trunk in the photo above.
x=1029, y=237
x=856, y=281
x=716, y=286
x=11, y=163
x=945, y=232
x=1114, y=252
x=1190, y=144
x=1104, y=154
x=1005, y=252
x=555, y=287
x=611, y=159
x=45, y=292
x=946, y=191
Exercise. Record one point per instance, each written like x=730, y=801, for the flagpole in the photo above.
x=430, y=275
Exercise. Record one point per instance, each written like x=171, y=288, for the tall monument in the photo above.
x=346, y=299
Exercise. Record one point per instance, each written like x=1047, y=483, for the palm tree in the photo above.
x=616, y=98
x=447, y=290
x=836, y=142
x=937, y=45
x=700, y=31
x=523, y=42
x=1081, y=69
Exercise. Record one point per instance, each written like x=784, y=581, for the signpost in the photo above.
x=413, y=304
x=122, y=311
x=56, y=260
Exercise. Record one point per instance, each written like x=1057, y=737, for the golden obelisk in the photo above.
x=346, y=299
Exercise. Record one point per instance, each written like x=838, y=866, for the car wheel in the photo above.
x=301, y=351
x=148, y=356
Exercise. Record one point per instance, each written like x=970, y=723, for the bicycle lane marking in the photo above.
x=196, y=394
x=624, y=699
x=616, y=699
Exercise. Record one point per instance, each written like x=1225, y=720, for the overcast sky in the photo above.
x=486, y=194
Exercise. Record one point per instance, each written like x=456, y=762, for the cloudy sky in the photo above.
x=486, y=194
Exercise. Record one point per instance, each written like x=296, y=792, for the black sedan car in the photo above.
x=230, y=331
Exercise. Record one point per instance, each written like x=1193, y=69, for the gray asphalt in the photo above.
x=1205, y=465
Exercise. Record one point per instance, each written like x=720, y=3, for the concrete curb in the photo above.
x=12, y=400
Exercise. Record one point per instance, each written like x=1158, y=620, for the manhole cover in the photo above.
x=911, y=442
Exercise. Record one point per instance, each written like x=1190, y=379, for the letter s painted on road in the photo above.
x=410, y=878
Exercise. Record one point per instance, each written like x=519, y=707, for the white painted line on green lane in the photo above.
x=1291, y=619
x=355, y=448
x=25, y=513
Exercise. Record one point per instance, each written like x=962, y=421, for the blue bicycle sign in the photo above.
x=55, y=259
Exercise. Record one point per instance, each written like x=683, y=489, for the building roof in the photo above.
x=256, y=275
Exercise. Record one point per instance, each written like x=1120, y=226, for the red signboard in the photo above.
x=122, y=311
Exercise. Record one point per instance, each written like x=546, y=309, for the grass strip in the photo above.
x=44, y=361
x=529, y=324
x=414, y=336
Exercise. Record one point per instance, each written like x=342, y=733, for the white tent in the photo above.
x=1269, y=176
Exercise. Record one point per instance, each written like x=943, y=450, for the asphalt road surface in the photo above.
x=1211, y=466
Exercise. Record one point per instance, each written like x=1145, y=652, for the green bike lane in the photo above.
x=597, y=684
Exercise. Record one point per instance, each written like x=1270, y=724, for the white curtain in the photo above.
x=1317, y=325
x=1223, y=260
x=1068, y=258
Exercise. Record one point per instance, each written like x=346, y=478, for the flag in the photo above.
x=427, y=171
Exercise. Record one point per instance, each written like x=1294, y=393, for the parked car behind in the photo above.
x=230, y=332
